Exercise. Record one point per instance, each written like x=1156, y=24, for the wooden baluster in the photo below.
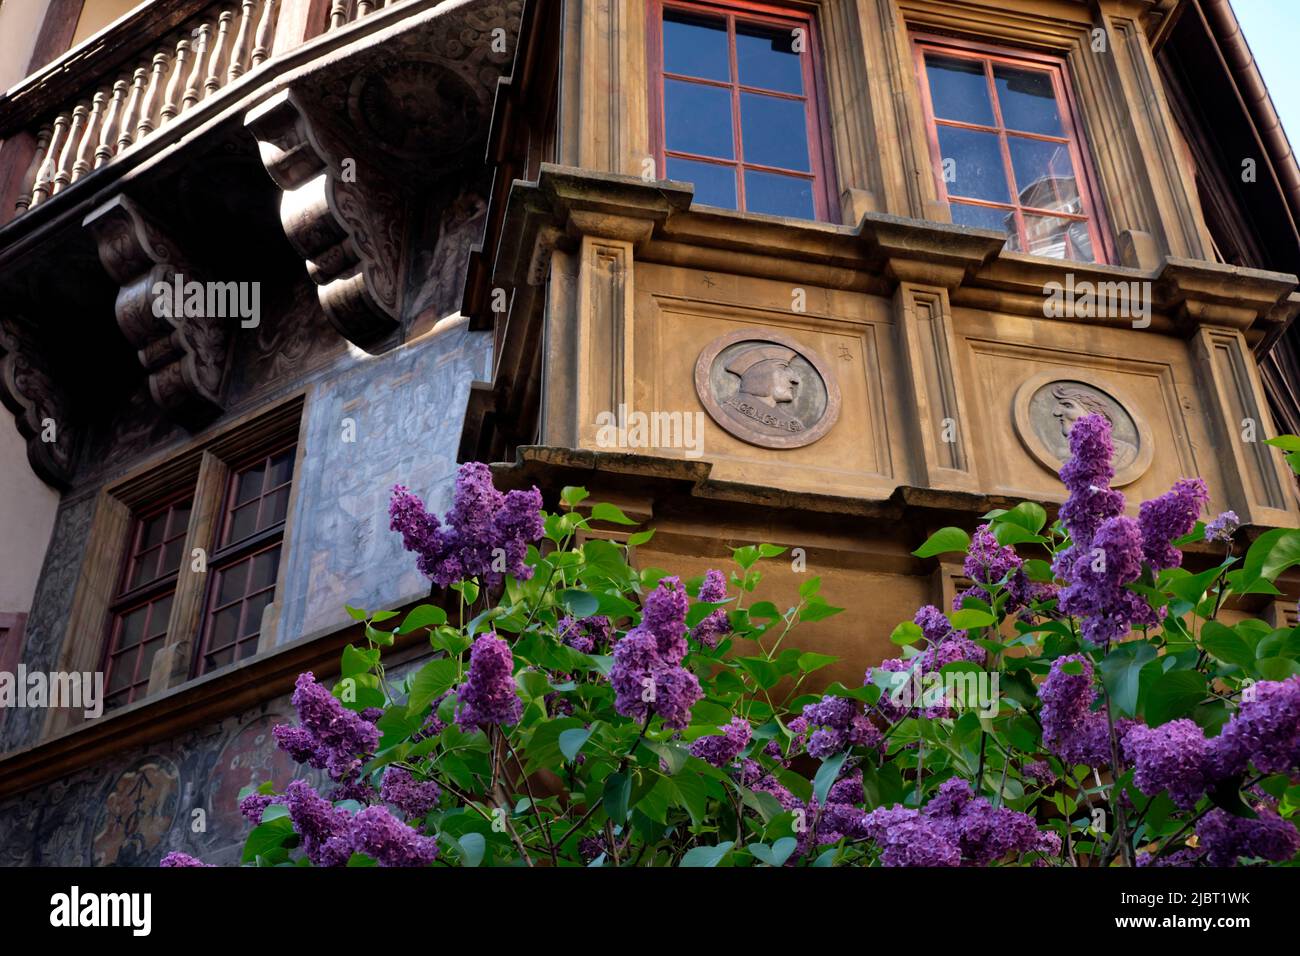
x=45, y=178
x=86, y=147
x=132, y=108
x=241, y=41
x=172, y=100
x=108, y=131
x=145, y=126
x=338, y=14
x=363, y=7
x=213, y=82
x=194, y=87
x=265, y=33
x=33, y=171
x=63, y=175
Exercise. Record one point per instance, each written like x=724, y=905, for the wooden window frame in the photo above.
x=1057, y=67
x=820, y=148
x=225, y=555
x=203, y=466
x=146, y=594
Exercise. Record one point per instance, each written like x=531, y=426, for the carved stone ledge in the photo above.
x=184, y=355
x=39, y=406
x=343, y=216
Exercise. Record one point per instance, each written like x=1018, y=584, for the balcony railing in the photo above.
x=189, y=64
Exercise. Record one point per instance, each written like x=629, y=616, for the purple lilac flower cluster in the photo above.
x=329, y=736
x=1178, y=757
x=1071, y=728
x=178, y=859
x=716, y=626
x=955, y=828
x=1222, y=527
x=722, y=750
x=330, y=835
x=647, y=674
x=415, y=798
x=1107, y=550
x=253, y=805
x=1225, y=838
x=589, y=635
x=481, y=526
x=945, y=646
x=488, y=696
x=990, y=564
x=840, y=724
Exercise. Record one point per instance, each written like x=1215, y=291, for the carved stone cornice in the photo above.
x=38, y=404
x=184, y=354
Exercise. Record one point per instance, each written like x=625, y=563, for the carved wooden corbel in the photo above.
x=183, y=349
x=345, y=221
x=39, y=406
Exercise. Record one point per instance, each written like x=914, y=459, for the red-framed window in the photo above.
x=737, y=107
x=139, y=613
x=1008, y=149
x=246, y=562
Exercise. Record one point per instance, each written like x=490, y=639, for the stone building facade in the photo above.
x=823, y=273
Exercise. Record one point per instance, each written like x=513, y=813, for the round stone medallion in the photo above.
x=1048, y=405
x=767, y=389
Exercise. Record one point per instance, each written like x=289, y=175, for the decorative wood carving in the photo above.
x=39, y=406
x=349, y=233
x=184, y=355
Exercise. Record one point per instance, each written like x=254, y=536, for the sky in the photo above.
x=1272, y=28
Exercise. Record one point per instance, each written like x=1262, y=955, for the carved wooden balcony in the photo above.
x=94, y=104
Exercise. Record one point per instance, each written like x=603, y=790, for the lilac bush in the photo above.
x=1082, y=703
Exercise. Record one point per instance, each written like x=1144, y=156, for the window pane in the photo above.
x=697, y=119
x=1055, y=238
x=147, y=653
x=133, y=623
x=158, y=616
x=243, y=522
x=220, y=659
x=224, y=625
x=120, y=671
x=180, y=521
x=696, y=46
x=281, y=469
x=154, y=531
x=774, y=131
x=959, y=90
x=984, y=217
x=765, y=57
x=145, y=569
x=715, y=185
x=779, y=195
x=264, y=568
x=1044, y=174
x=231, y=584
x=976, y=167
x=1028, y=100
x=274, y=507
x=253, y=608
x=172, y=555
x=249, y=484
